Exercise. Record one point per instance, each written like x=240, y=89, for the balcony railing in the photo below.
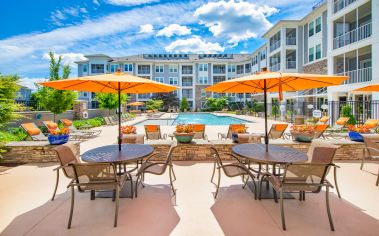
x=143, y=71
x=187, y=83
x=341, y=4
x=187, y=95
x=358, y=76
x=291, y=40
x=291, y=64
x=274, y=46
x=275, y=67
x=353, y=36
x=144, y=96
x=219, y=71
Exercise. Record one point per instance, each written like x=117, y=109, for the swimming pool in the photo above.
x=195, y=118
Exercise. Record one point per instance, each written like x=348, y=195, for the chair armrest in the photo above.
x=153, y=155
x=232, y=155
x=141, y=170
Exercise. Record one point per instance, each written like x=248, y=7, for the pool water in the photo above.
x=195, y=118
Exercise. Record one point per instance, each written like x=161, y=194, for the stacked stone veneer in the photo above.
x=35, y=152
x=32, y=152
x=320, y=67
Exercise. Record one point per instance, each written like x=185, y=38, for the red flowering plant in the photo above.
x=184, y=129
x=359, y=129
x=61, y=131
x=128, y=129
x=303, y=129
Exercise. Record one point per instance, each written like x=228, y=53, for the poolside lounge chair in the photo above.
x=50, y=125
x=249, y=138
x=232, y=128
x=199, y=130
x=372, y=124
x=334, y=131
x=69, y=124
x=67, y=154
x=234, y=169
x=320, y=129
x=371, y=149
x=33, y=132
x=323, y=120
x=96, y=177
x=277, y=131
x=133, y=138
x=157, y=168
x=154, y=132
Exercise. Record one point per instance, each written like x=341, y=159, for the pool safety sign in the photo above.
x=316, y=113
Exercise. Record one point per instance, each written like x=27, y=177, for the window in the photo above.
x=231, y=68
x=187, y=81
x=85, y=94
x=128, y=67
x=187, y=70
x=218, y=79
x=159, y=79
x=114, y=67
x=247, y=68
x=239, y=69
x=218, y=69
x=203, y=67
x=311, y=29
x=97, y=68
x=203, y=79
x=143, y=69
x=203, y=93
x=318, y=51
x=173, y=80
x=85, y=68
x=187, y=93
x=263, y=55
x=311, y=54
x=318, y=24
x=173, y=68
x=159, y=69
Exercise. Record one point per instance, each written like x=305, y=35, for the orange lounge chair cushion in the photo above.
x=33, y=131
x=321, y=127
x=67, y=122
x=371, y=123
x=280, y=127
x=342, y=121
x=151, y=128
x=51, y=125
x=236, y=127
x=324, y=119
x=198, y=128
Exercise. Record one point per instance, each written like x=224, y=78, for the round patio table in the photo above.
x=110, y=154
x=275, y=155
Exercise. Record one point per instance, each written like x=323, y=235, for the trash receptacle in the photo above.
x=299, y=120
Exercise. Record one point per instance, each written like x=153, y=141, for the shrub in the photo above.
x=184, y=104
x=346, y=111
x=94, y=122
x=154, y=104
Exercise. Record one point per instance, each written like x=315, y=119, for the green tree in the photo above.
x=154, y=104
x=110, y=100
x=169, y=100
x=8, y=92
x=217, y=104
x=184, y=104
x=56, y=101
x=346, y=111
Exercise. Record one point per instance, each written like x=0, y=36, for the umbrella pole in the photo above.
x=119, y=117
x=265, y=106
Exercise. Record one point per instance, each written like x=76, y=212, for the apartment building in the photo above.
x=192, y=73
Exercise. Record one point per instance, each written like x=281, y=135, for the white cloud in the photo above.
x=130, y=2
x=67, y=58
x=31, y=82
x=174, y=29
x=147, y=28
x=96, y=2
x=193, y=45
x=59, y=16
x=237, y=21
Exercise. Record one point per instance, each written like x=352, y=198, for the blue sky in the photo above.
x=73, y=28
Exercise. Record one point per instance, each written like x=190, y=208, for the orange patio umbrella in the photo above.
x=369, y=88
x=111, y=83
x=267, y=81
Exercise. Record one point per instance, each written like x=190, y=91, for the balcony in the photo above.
x=341, y=4
x=187, y=94
x=187, y=82
x=353, y=36
x=291, y=40
x=291, y=64
x=275, y=67
x=187, y=70
x=358, y=76
x=274, y=46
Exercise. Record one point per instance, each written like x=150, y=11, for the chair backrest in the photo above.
x=321, y=152
x=233, y=128
x=324, y=119
x=199, y=130
x=50, y=125
x=33, y=131
x=67, y=154
x=95, y=176
x=169, y=154
x=68, y=123
x=133, y=138
x=371, y=123
x=249, y=138
x=342, y=121
x=320, y=129
x=216, y=155
x=277, y=130
x=153, y=131
x=371, y=143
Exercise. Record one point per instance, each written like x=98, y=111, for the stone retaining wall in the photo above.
x=32, y=152
x=35, y=151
